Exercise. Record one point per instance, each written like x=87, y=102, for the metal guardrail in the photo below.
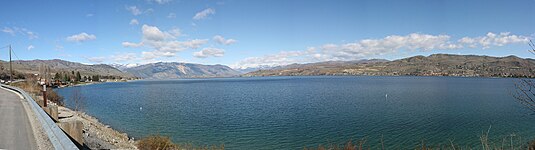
x=57, y=137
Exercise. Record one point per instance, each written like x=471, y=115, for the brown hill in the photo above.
x=434, y=65
x=175, y=70
x=57, y=65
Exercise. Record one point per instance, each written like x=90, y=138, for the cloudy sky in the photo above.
x=244, y=33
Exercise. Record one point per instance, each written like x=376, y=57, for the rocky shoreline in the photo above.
x=97, y=135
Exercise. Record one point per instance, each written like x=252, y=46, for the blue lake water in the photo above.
x=293, y=112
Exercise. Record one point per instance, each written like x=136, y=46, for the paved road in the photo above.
x=15, y=129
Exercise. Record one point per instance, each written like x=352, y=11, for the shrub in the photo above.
x=156, y=142
x=54, y=97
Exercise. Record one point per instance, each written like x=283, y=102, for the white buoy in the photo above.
x=386, y=96
x=140, y=108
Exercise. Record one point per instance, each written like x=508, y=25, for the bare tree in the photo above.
x=525, y=88
x=77, y=99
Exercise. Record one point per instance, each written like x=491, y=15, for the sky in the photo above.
x=255, y=33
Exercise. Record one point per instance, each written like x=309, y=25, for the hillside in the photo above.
x=56, y=65
x=174, y=70
x=433, y=65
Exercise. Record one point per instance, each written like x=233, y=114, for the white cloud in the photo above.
x=148, y=11
x=160, y=1
x=130, y=44
x=367, y=48
x=30, y=47
x=31, y=35
x=163, y=43
x=221, y=40
x=124, y=57
x=175, y=32
x=156, y=54
x=89, y=15
x=492, y=39
x=96, y=59
x=134, y=10
x=134, y=22
x=203, y=14
x=81, y=37
x=22, y=31
x=9, y=31
x=58, y=47
x=207, y=52
x=387, y=45
x=138, y=11
x=152, y=33
x=272, y=60
x=171, y=15
x=175, y=46
x=116, y=58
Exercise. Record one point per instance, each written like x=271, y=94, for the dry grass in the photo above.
x=157, y=142
x=31, y=86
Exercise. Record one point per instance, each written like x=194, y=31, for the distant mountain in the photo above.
x=251, y=69
x=57, y=65
x=295, y=65
x=433, y=65
x=329, y=64
x=174, y=70
x=123, y=67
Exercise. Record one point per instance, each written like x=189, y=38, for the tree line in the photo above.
x=75, y=77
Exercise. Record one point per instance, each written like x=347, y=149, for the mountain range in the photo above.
x=57, y=65
x=173, y=70
x=433, y=65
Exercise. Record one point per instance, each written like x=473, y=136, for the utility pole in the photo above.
x=10, y=66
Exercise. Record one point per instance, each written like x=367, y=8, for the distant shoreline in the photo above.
x=325, y=76
x=391, y=96
x=93, y=83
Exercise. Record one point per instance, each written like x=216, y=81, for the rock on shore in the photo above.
x=97, y=135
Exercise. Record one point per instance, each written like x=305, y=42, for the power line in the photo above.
x=10, y=61
x=13, y=51
x=15, y=54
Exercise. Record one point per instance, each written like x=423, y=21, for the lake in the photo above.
x=293, y=112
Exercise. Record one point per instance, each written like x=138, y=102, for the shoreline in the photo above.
x=330, y=75
x=96, y=134
x=308, y=76
x=91, y=83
